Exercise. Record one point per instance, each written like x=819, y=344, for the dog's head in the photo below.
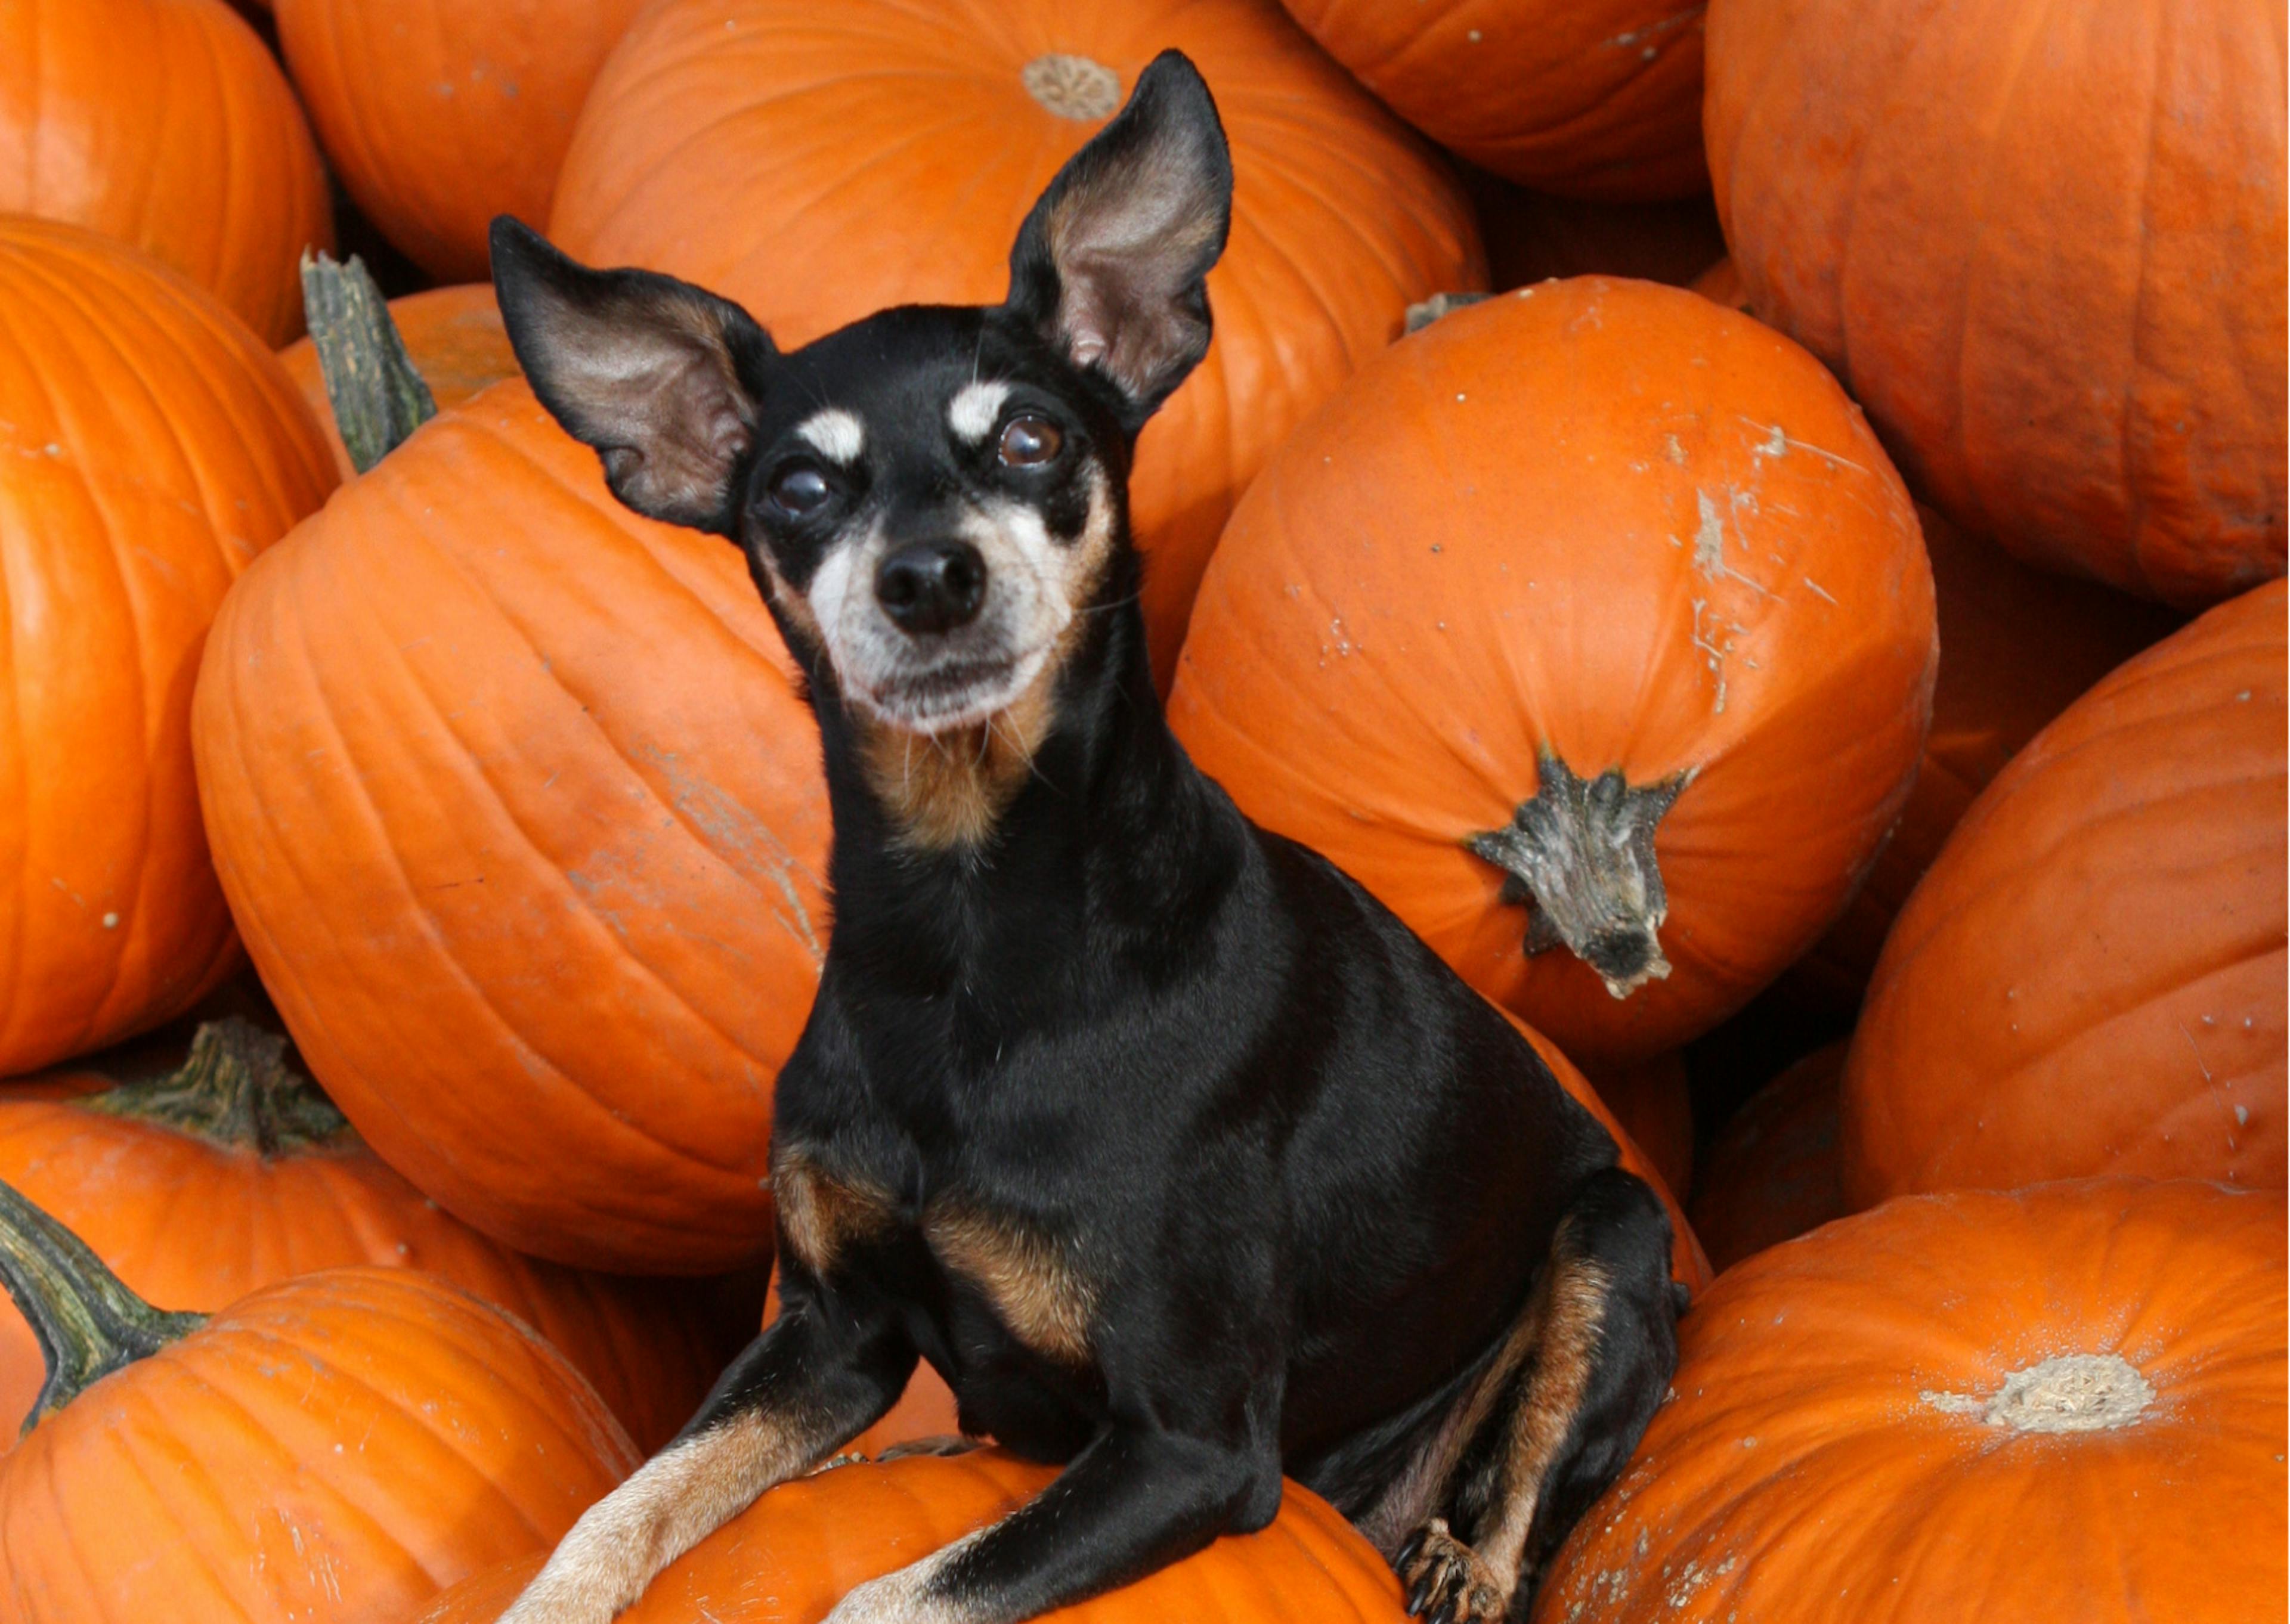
x=931, y=496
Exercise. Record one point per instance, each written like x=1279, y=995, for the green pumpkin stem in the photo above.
x=87, y=1323
x=236, y=1090
x=378, y=397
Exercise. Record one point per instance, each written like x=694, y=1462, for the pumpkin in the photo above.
x=149, y=447
x=1582, y=97
x=2061, y=1402
x=1531, y=236
x=339, y=1446
x=522, y=817
x=817, y=164
x=232, y=1172
x=1595, y=594
x=454, y=338
x=2043, y=246
x=1721, y=284
x=1651, y=1101
x=164, y=123
x=2090, y=977
x=1771, y=1174
x=440, y=114
x=792, y=1555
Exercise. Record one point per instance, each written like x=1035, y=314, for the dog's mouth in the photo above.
x=953, y=692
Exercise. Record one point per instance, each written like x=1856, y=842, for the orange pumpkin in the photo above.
x=1531, y=236
x=817, y=164
x=164, y=123
x=2043, y=246
x=522, y=819
x=792, y=1555
x=1583, y=98
x=1605, y=583
x=440, y=114
x=233, y=1172
x=453, y=337
x=152, y=448
x=1651, y=1101
x=2091, y=977
x=1771, y=1174
x=2063, y=1403
x=338, y=1447
x=1721, y=284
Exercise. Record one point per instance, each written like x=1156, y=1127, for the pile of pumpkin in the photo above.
x=509, y=798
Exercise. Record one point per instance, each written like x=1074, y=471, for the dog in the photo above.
x=1180, y=1157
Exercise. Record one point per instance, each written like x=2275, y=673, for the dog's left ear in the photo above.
x=658, y=376
x=1111, y=265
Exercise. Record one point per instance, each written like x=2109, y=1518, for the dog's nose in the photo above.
x=931, y=586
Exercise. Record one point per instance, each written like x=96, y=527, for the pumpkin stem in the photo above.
x=1581, y=854
x=236, y=1090
x=87, y=1323
x=378, y=397
x=1421, y=315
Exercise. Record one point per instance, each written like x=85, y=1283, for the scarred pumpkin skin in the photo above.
x=1771, y=1174
x=164, y=123
x=454, y=338
x=2044, y=246
x=792, y=1555
x=2091, y=977
x=440, y=114
x=1584, y=97
x=818, y=163
x=523, y=820
x=1876, y=1421
x=149, y=448
x=422, y=1436
x=1601, y=519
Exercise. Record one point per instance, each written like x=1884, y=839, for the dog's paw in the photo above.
x=1446, y=1581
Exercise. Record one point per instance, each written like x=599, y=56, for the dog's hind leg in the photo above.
x=1551, y=1420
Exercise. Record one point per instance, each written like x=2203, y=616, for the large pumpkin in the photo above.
x=440, y=114
x=338, y=1447
x=2091, y=979
x=233, y=1172
x=817, y=164
x=149, y=447
x=2058, y=1404
x=522, y=821
x=164, y=123
x=2044, y=246
x=1595, y=593
x=454, y=338
x=1584, y=97
x=793, y=1554
x=1771, y=1174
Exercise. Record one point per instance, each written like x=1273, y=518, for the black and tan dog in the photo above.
x=1176, y=1154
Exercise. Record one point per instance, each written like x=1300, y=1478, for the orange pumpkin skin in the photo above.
x=164, y=123
x=440, y=114
x=523, y=820
x=793, y=1554
x=1584, y=97
x=2091, y=977
x=1830, y=1457
x=1532, y=237
x=338, y=1447
x=1651, y=1101
x=705, y=150
x=1771, y=1174
x=2043, y=247
x=454, y=338
x=1721, y=284
x=152, y=447
x=1600, y=518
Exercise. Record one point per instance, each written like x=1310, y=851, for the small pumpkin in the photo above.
x=1590, y=630
x=149, y=448
x=339, y=1446
x=818, y=163
x=2090, y=977
x=2059, y=1403
x=2044, y=246
x=231, y=1172
x=1771, y=1174
x=453, y=337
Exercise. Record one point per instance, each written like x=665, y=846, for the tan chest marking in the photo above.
x=823, y=1213
x=1033, y=1280
x=950, y=789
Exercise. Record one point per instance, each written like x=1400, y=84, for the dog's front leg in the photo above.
x=815, y=1380
x=1132, y=1501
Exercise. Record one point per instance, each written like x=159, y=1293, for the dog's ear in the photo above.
x=658, y=376
x=1110, y=265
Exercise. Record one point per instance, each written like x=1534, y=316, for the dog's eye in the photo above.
x=1030, y=441
x=799, y=489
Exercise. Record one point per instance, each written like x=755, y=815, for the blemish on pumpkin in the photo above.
x=2071, y=1393
x=1072, y=86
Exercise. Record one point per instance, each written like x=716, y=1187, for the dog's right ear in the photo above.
x=659, y=377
